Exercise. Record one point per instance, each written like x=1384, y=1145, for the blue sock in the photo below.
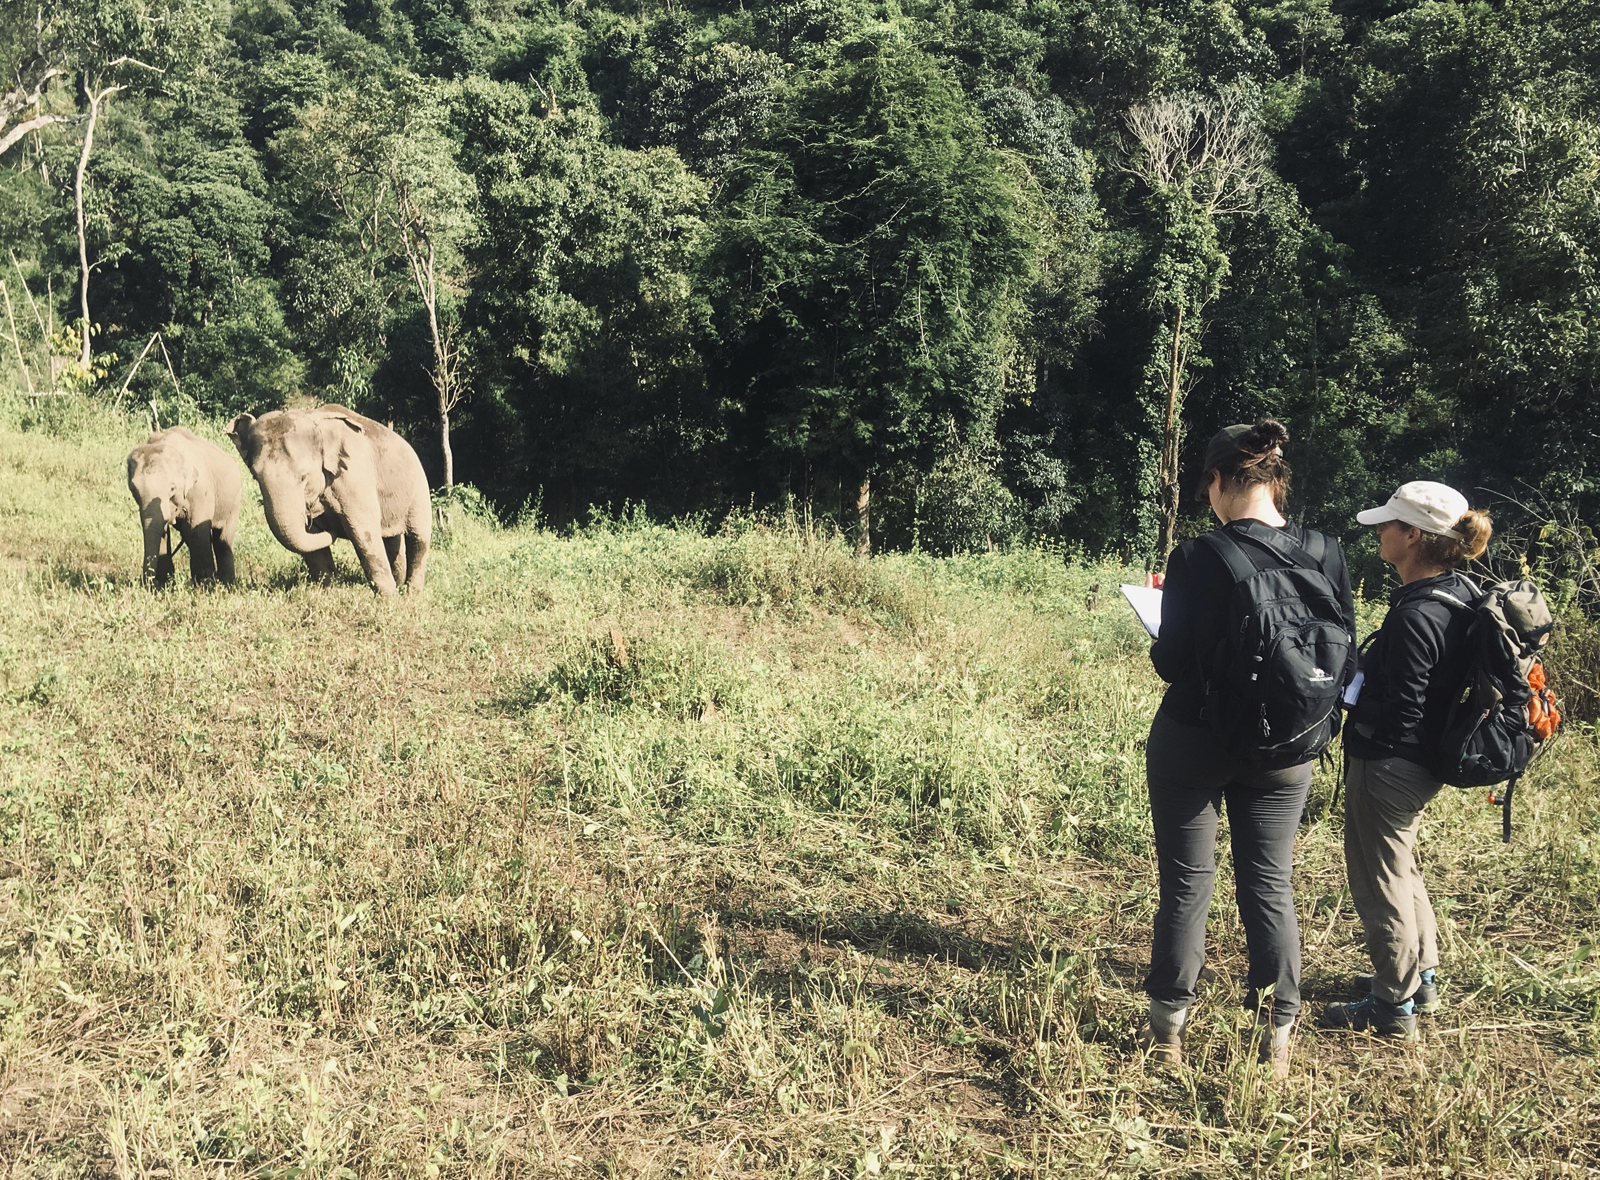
x=1386, y=1009
x=1427, y=976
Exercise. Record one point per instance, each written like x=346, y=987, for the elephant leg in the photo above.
x=202, y=562
x=416, y=562
x=393, y=546
x=222, y=550
x=319, y=564
x=374, y=559
x=157, y=569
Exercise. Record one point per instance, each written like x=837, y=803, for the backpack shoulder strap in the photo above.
x=1239, y=566
x=1272, y=539
x=1446, y=597
x=1475, y=600
x=1316, y=546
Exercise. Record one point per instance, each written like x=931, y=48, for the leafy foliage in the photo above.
x=699, y=257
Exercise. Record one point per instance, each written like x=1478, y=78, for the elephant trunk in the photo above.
x=286, y=516
x=154, y=522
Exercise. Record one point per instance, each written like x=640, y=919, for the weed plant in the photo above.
x=640, y=851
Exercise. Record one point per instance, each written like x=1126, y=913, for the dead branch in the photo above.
x=24, y=129
x=133, y=61
x=21, y=98
x=1211, y=144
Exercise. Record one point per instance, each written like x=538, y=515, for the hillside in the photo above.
x=637, y=851
x=1002, y=265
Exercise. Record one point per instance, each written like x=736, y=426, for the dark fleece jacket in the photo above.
x=1194, y=611
x=1415, y=668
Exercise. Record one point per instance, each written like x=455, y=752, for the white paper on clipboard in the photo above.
x=1352, y=691
x=1146, y=603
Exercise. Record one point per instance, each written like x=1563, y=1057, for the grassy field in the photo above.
x=645, y=852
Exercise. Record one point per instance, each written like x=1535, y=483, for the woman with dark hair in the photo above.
x=1413, y=672
x=1192, y=775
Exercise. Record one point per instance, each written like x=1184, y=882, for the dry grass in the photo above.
x=840, y=871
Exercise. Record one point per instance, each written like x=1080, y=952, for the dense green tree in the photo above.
x=911, y=255
x=1456, y=157
x=585, y=315
x=872, y=257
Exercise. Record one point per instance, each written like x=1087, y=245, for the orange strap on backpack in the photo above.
x=1542, y=712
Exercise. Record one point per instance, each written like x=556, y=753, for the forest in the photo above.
x=954, y=273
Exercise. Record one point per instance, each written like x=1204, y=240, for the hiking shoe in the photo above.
x=1426, y=1000
x=1160, y=1049
x=1272, y=1047
x=1374, y=1016
x=1161, y=1033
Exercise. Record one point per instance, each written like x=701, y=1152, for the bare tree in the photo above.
x=1209, y=145
x=96, y=89
x=381, y=160
x=423, y=255
x=432, y=200
x=107, y=45
x=1203, y=157
x=22, y=107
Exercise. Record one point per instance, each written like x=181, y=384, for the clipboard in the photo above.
x=1352, y=691
x=1146, y=603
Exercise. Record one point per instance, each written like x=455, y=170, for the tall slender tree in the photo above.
x=432, y=215
x=1201, y=157
x=110, y=46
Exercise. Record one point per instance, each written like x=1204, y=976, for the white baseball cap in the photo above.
x=1431, y=507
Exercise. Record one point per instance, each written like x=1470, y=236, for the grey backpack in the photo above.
x=1504, y=712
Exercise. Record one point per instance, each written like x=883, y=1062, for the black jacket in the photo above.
x=1415, y=667
x=1194, y=611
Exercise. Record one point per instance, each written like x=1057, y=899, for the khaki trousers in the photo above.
x=1382, y=811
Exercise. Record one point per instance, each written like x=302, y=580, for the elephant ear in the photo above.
x=189, y=473
x=336, y=431
x=239, y=430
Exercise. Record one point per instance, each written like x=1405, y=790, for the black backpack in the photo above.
x=1274, y=681
x=1503, y=713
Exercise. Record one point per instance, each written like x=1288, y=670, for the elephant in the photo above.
x=181, y=480
x=329, y=472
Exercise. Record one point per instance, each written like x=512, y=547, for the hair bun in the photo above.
x=1265, y=436
x=1475, y=528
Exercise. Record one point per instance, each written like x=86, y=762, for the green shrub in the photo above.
x=1573, y=660
x=458, y=505
x=790, y=563
x=657, y=673
x=964, y=507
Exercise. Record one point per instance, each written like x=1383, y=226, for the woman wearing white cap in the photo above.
x=1414, y=670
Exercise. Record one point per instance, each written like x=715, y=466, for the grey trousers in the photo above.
x=1382, y=811
x=1191, y=779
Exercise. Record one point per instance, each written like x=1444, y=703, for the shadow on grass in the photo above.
x=883, y=933
x=56, y=574
x=792, y=951
x=298, y=577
